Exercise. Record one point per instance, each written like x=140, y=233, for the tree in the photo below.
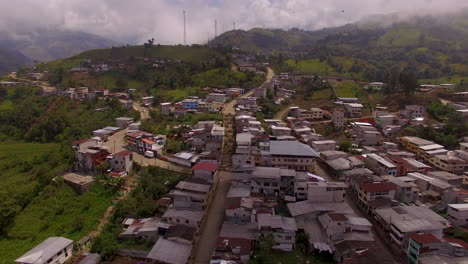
x=121, y=83
x=345, y=146
x=408, y=82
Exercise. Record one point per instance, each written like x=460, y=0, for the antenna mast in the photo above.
x=234, y=25
x=216, y=28
x=185, y=33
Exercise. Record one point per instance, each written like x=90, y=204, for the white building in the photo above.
x=282, y=228
x=326, y=192
x=55, y=250
x=324, y=145
x=354, y=109
x=458, y=214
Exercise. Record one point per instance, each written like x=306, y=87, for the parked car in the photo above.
x=149, y=154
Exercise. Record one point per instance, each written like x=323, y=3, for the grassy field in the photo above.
x=56, y=211
x=6, y=105
x=311, y=66
x=400, y=38
x=322, y=94
x=346, y=89
x=14, y=156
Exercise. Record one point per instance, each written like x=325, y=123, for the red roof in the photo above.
x=337, y=217
x=377, y=187
x=425, y=238
x=79, y=141
x=457, y=241
x=209, y=166
x=244, y=245
x=122, y=153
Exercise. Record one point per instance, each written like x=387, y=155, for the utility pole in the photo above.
x=185, y=34
x=216, y=28
x=234, y=25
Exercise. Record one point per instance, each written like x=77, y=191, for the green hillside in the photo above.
x=434, y=47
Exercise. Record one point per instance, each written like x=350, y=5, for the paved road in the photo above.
x=381, y=245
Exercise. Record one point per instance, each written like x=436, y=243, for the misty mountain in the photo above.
x=432, y=46
x=23, y=48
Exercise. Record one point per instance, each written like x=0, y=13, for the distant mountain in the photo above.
x=45, y=45
x=433, y=46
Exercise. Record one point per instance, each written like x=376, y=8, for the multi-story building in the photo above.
x=452, y=179
x=458, y=214
x=166, y=108
x=406, y=192
x=449, y=163
x=317, y=113
x=354, y=109
x=368, y=192
x=380, y=166
x=326, y=192
x=323, y=145
x=121, y=161
x=338, y=118
x=292, y=155
x=400, y=222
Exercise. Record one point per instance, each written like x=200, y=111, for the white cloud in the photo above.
x=138, y=20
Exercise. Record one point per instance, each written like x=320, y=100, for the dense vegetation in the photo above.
x=36, y=134
x=153, y=183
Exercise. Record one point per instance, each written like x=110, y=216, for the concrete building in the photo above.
x=280, y=131
x=400, y=222
x=190, y=194
x=413, y=111
x=216, y=97
x=380, y=166
x=338, y=118
x=57, y=250
x=458, y=214
x=326, y=192
x=323, y=145
x=79, y=182
x=447, y=177
x=371, y=191
x=317, y=113
x=121, y=161
x=405, y=192
x=184, y=217
x=166, y=108
x=282, y=228
x=147, y=100
x=353, y=109
x=292, y=155
x=449, y=163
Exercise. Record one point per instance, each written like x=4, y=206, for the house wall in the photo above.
x=203, y=174
x=458, y=217
x=322, y=195
x=292, y=162
x=182, y=221
x=238, y=215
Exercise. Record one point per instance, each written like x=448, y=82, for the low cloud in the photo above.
x=138, y=20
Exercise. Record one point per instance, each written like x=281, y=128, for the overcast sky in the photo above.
x=138, y=20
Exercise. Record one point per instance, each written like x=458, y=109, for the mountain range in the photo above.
x=44, y=45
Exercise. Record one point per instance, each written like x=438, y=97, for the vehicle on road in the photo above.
x=149, y=154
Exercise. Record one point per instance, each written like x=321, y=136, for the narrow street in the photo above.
x=209, y=230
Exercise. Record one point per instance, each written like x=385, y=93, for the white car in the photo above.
x=149, y=154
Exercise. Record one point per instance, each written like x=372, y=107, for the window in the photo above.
x=288, y=237
x=186, y=221
x=177, y=220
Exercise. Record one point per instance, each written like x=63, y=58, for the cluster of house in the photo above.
x=204, y=141
x=212, y=103
x=123, y=65
x=184, y=209
x=246, y=63
x=83, y=93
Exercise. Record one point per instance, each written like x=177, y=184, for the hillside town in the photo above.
x=362, y=194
